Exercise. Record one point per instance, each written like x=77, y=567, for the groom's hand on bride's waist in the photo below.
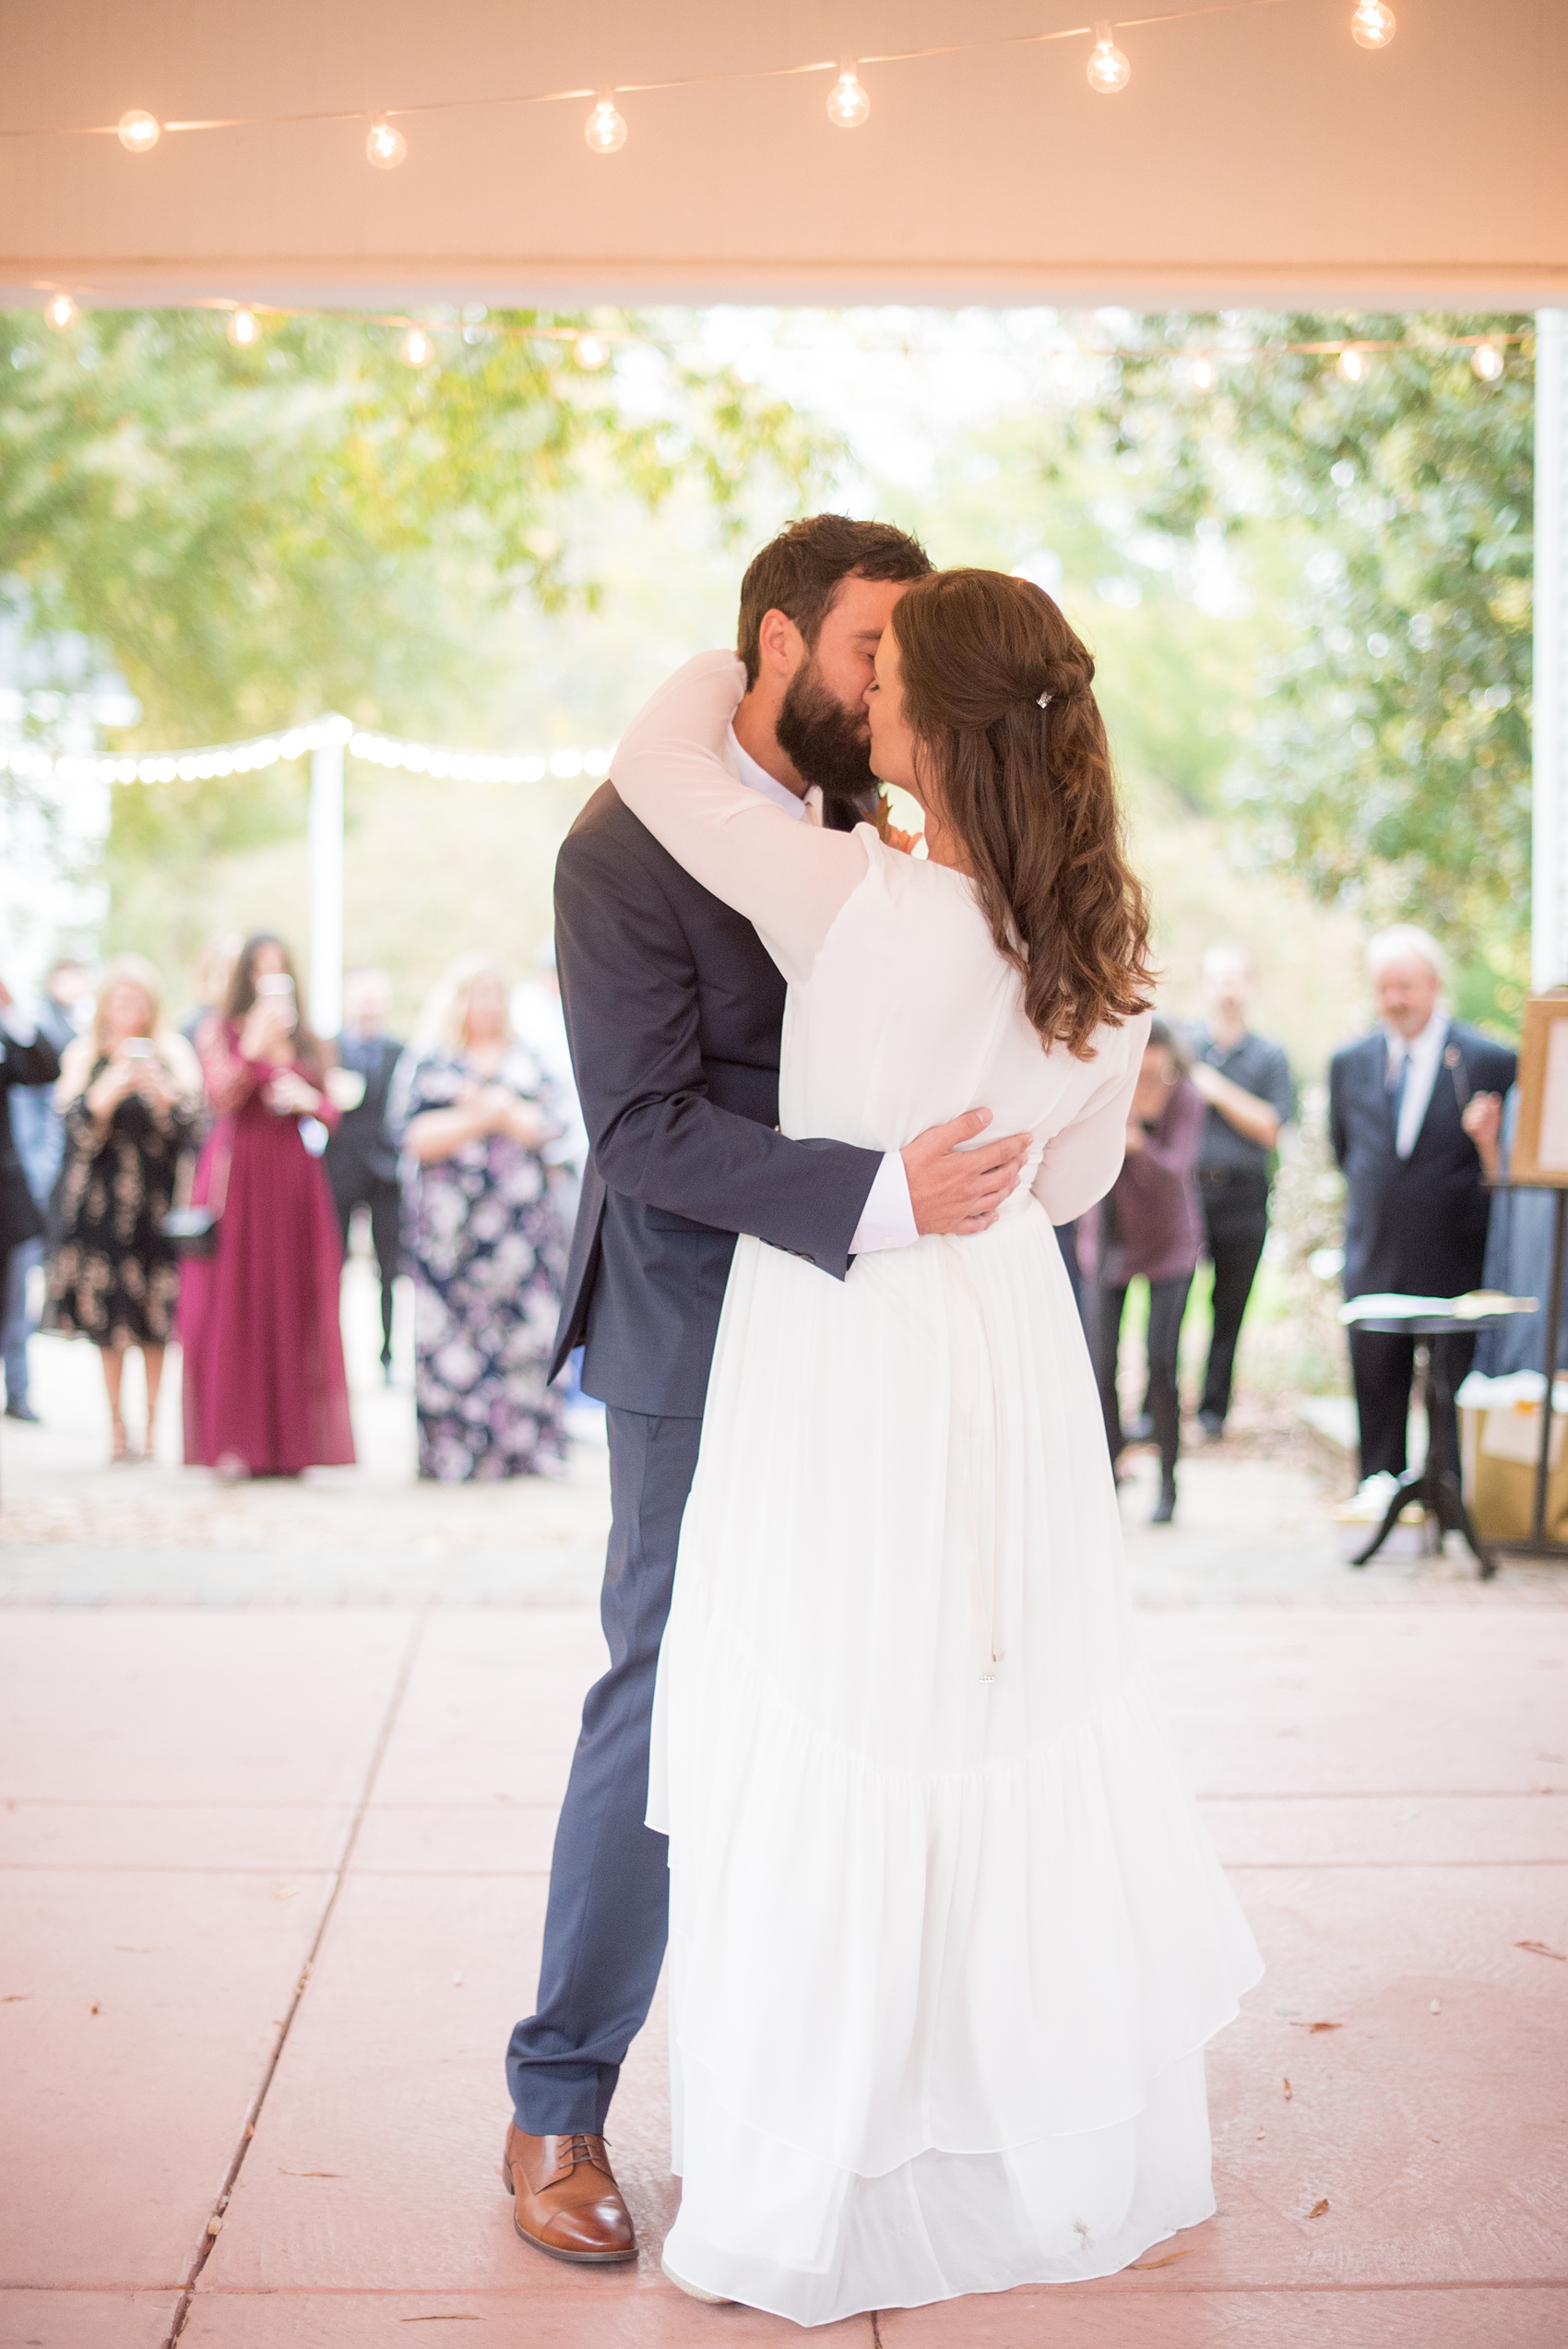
x=961, y=1189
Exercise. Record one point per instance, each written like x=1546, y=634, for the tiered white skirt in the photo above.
x=947, y=1939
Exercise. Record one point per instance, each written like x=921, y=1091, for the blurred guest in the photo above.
x=1416, y=1215
x=130, y=1095
x=38, y=1136
x=541, y=1025
x=1150, y=1228
x=1067, y=1241
x=27, y=1057
x=476, y=1112
x=362, y=1158
x=264, y=1386
x=210, y=974
x=1246, y=1083
x=1520, y=1240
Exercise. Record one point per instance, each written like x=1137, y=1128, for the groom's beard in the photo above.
x=826, y=743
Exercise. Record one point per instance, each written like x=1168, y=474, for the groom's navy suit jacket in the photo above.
x=1414, y=1227
x=674, y=1011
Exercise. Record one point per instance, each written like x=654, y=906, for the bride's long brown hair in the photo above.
x=1029, y=792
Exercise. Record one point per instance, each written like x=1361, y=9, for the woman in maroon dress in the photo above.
x=264, y=1393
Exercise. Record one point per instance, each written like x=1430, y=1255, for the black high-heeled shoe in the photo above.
x=1165, y=1507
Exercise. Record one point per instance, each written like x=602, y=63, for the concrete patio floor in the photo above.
x=277, y=1776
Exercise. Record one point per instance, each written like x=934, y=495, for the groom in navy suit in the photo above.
x=1416, y=1216
x=674, y=1012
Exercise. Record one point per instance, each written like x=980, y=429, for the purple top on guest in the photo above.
x=1151, y=1224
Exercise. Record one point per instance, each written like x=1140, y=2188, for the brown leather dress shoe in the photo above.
x=565, y=2199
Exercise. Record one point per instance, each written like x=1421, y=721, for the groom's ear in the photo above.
x=780, y=646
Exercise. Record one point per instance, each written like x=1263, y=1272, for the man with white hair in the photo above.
x=1416, y=1217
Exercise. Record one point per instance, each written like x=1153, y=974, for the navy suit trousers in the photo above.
x=608, y=1918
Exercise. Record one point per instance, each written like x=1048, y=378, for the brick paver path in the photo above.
x=277, y=1775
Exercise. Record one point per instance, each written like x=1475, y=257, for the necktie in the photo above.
x=1399, y=1079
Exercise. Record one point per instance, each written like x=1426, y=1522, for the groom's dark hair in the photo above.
x=800, y=572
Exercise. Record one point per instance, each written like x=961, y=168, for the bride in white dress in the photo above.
x=947, y=1937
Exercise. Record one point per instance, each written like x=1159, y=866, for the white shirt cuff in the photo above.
x=887, y=1219
x=23, y=1031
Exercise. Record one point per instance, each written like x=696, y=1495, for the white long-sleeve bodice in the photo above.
x=901, y=1012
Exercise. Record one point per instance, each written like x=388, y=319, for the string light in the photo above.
x=1488, y=361
x=416, y=346
x=1351, y=365
x=589, y=350
x=385, y=147
x=1203, y=374
x=605, y=128
x=847, y=104
x=243, y=329
x=60, y=311
x=298, y=742
x=1372, y=26
x=138, y=131
x=1108, y=70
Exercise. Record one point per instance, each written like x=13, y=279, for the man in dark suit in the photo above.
x=674, y=1011
x=27, y=1057
x=1416, y=1217
x=362, y=1161
x=38, y=1136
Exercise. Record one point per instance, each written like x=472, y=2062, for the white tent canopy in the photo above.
x=1257, y=155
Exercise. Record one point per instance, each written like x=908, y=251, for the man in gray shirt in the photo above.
x=1246, y=1083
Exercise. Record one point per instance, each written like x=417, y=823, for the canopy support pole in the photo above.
x=326, y=861
x=1548, y=888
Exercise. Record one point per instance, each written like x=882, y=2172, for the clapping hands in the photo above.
x=289, y=1095
x=497, y=1109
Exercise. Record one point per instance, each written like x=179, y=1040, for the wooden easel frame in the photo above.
x=1545, y=1042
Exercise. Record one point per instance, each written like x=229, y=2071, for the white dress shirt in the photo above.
x=887, y=1219
x=1424, y=1054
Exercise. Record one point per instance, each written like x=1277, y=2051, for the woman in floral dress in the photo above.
x=483, y=1235
x=130, y=1096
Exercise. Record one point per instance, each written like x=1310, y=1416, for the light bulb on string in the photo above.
x=1372, y=26
x=1351, y=365
x=138, y=132
x=1488, y=361
x=1108, y=70
x=847, y=104
x=416, y=346
x=385, y=147
x=60, y=311
x=243, y=329
x=605, y=129
x=589, y=350
x=1203, y=374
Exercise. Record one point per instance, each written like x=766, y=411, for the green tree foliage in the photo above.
x=252, y=535
x=1388, y=758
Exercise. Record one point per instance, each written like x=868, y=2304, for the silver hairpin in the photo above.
x=1043, y=700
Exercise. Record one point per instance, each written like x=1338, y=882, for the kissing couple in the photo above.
x=874, y=1752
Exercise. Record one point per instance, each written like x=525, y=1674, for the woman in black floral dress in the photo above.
x=130, y=1096
x=483, y=1235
